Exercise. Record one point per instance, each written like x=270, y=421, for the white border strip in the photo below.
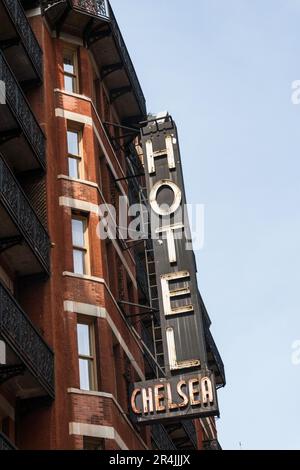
x=85, y=206
x=87, y=120
x=76, y=391
x=101, y=312
x=95, y=430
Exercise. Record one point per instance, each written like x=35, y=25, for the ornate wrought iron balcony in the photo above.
x=22, y=234
x=19, y=43
x=94, y=21
x=98, y=8
x=161, y=438
x=21, y=137
x=5, y=443
x=127, y=60
x=30, y=349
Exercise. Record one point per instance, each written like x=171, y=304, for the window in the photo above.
x=80, y=244
x=86, y=353
x=71, y=71
x=90, y=443
x=74, y=139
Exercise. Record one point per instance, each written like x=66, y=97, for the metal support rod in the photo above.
x=129, y=177
x=132, y=304
x=132, y=129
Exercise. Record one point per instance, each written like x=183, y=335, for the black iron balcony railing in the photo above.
x=26, y=34
x=5, y=443
x=23, y=215
x=190, y=430
x=101, y=9
x=97, y=8
x=162, y=438
x=18, y=332
x=19, y=106
x=127, y=60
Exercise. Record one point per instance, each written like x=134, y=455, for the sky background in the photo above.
x=224, y=71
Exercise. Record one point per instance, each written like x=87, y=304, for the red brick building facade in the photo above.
x=73, y=335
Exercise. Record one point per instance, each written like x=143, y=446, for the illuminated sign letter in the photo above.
x=173, y=363
x=136, y=410
x=147, y=400
x=182, y=395
x=207, y=391
x=176, y=202
x=168, y=152
x=159, y=398
x=168, y=294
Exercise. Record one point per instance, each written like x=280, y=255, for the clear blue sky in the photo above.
x=224, y=68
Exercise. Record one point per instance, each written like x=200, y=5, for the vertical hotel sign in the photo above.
x=188, y=390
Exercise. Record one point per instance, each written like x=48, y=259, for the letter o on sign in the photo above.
x=176, y=202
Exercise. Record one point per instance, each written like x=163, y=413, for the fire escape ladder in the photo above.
x=153, y=298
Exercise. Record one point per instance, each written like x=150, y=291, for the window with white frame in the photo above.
x=86, y=355
x=74, y=144
x=80, y=244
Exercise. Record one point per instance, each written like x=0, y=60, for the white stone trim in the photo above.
x=78, y=180
x=78, y=204
x=92, y=184
x=85, y=206
x=101, y=312
x=71, y=116
x=83, y=119
x=85, y=309
x=96, y=186
x=85, y=277
x=72, y=94
x=33, y=12
x=97, y=431
x=76, y=391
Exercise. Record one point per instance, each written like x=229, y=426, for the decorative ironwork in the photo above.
x=20, y=210
x=9, y=242
x=19, y=333
x=5, y=443
x=19, y=106
x=25, y=32
x=162, y=438
x=7, y=372
x=190, y=431
x=97, y=8
x=102, y=9
x=127, y=60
